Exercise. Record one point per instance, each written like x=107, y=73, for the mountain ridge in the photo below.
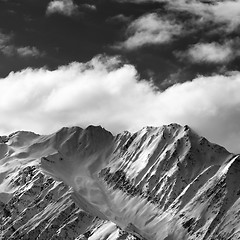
x=155, y=183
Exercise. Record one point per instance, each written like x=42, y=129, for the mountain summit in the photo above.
x=160, y=183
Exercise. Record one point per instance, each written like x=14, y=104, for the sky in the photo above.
x=122, y=64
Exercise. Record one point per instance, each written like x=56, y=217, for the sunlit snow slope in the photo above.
x=163, y=183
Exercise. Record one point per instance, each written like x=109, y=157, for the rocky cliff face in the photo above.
x=190, y=183
x=163, y=183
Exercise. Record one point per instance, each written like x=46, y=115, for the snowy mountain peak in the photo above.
x=159, y=183
x=20, y=138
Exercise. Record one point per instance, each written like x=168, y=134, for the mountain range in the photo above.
x=160, y=183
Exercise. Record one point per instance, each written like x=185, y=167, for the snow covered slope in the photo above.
x=163, y=183
x=36, y=206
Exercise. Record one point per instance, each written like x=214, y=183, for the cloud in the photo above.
x=211, y=52
x=4, y=38
x=120, y=18
x=28, y=51
x=9, y=49
x=90, y=7
x=64, y=7
x=226, y=12
x=150, y=29
x=5, y=48
x=107, y=92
